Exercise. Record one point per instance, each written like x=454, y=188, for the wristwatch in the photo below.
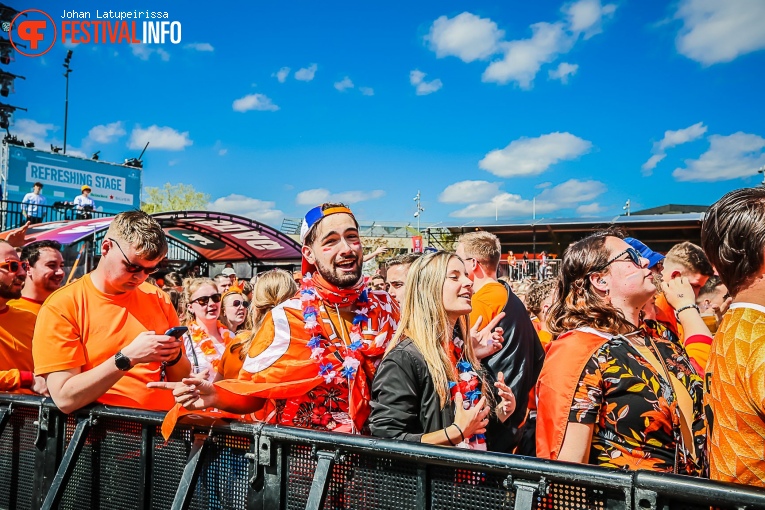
x=123, y=362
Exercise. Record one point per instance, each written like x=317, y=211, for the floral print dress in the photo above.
x=634, y=410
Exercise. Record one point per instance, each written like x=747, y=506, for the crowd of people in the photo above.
x=627, y=359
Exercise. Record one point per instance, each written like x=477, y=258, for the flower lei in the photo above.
x=469, y=386
x=206, y=343
x=318, y=344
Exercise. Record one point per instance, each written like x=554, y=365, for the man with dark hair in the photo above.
x=521, y=356
x=45, y=275
x=315, y=355
x=396, y=269
x=733, y=236
x=16, y=327
x=102, y=337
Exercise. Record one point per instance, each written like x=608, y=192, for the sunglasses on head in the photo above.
x=129, y=266
x=203, y=300
x=632, y=256
x=238, y=302
x=14, y=265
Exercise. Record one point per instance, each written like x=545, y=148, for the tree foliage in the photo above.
x=173, y=197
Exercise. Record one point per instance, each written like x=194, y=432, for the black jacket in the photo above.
x=520, y=360
x=404, y=403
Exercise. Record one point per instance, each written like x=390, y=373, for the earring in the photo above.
x=602, y=281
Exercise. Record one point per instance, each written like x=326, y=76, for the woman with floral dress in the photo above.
x=610, y=392
x=207, y=338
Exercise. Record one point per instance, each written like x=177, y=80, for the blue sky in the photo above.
x=482, y=106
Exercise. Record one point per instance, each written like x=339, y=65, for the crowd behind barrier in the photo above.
x=108, y=457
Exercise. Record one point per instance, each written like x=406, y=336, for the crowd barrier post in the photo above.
x=68, y=462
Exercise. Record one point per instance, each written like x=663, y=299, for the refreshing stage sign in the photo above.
x=115, y=188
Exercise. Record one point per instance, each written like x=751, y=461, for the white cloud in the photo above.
x=465, y=192
x=344, y=84
x=321, y=195
x=586, y=16
x=532, y=156
x=259, y=102
x=672, y=139
x=281, y=74
x=144, y=52
x=466, y=36
x=728, y=157
x=164, y=138
x=523, y=58
x=222, y=152
x=562, y=196
x=106, y=133
x=592, y=209
x=716, y=31
x=32, y=131
x=200, y=47
x=649, y=165
x=260, y=210
x=423, y=88
x=306, y=73
x=571, y=192
x=681, y=136
x=367, y=91
x=563, y=71
x=470, y=38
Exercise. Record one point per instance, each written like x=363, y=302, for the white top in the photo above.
x=33, y=201
x=82, y=201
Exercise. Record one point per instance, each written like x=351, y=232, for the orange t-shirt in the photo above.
x=16, y=329
x=82, y=327
x=488, y=302
x=27, y=304
x=736, y=397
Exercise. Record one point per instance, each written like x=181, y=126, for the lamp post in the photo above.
x=419, y=210
x=66, y=102
x=762, y=171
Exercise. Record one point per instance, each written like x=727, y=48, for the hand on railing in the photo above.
x=40, y=386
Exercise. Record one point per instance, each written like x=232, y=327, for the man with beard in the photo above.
x=16, y=328
x=316, y=354
x=46, y=273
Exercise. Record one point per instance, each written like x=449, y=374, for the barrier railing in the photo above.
x=12, y=213
x=106, y=457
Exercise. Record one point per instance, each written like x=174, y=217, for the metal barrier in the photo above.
x=106, y=457
x=12, y=216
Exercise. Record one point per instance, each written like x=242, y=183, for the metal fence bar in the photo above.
x=66, y=468
x=190, y=473
x=321, y=480
x=5, y=415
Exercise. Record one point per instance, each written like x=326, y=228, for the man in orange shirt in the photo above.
x=46, y=273
x=521, y=356
x=733, y=236
x=16, y=327
x=102, y=337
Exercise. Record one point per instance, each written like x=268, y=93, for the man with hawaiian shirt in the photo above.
x=312, y=362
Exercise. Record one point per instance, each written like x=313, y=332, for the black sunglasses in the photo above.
x=238, y=302
x=129, y=266
x=632, y=256
x=14, y=265
x=203, y=300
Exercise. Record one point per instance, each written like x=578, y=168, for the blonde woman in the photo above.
x=233, y=311
x=428, y=387
x=271, y=288
x=207, y=337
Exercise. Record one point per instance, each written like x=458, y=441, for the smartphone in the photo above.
x=177, y=331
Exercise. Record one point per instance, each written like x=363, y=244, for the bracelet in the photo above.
x=462, y=434
x=677, y=312
x=177, y=358
x=448, y=438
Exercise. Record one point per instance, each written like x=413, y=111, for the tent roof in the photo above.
x=214, y=236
